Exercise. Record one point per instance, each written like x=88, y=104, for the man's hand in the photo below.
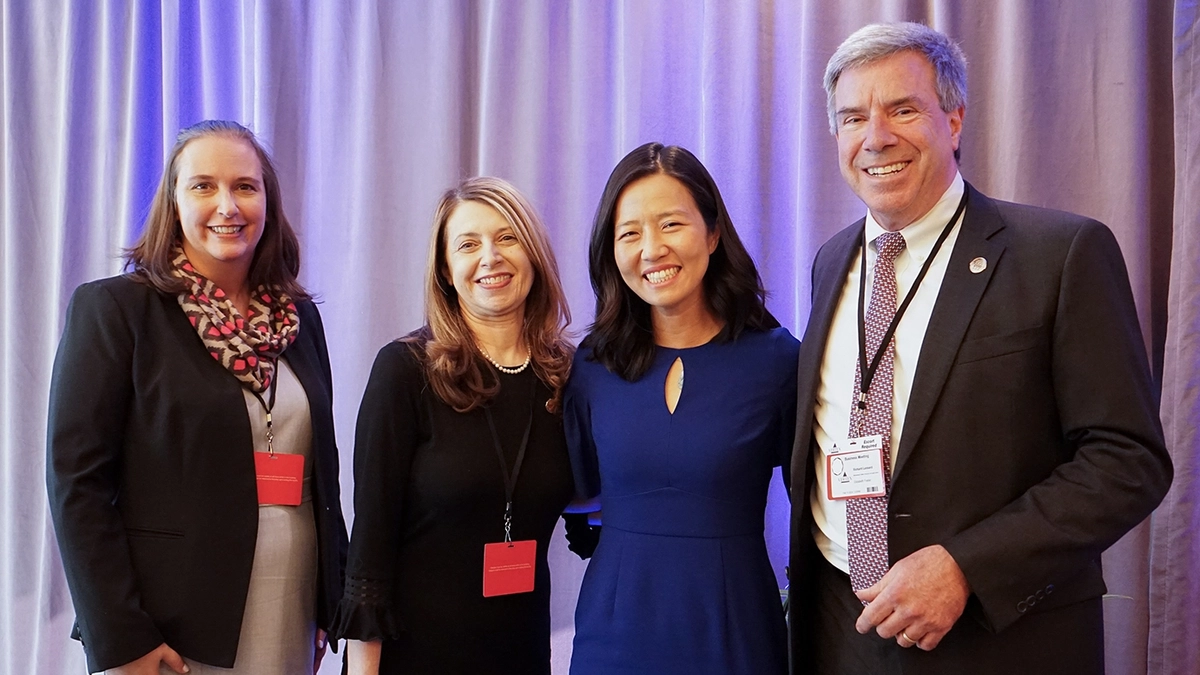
x=149, y=664
x=917, y=601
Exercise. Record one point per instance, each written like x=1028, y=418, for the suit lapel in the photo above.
x=829, y=279
x=957, y=300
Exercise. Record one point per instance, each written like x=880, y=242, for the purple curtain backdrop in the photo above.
x=372, y=108
x=1175, y=550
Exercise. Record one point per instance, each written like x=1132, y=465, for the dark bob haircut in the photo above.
x=276, y=261
x=621, y=337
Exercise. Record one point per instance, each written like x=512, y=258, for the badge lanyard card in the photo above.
x=510, y=566
x=858, y=470
x=280, y=476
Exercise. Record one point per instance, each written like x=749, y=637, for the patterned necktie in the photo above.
x=866, y=517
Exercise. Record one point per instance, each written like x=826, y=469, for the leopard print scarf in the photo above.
x=247, y=346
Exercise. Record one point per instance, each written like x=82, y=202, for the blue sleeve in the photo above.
x=786, y=357
x=577, y=422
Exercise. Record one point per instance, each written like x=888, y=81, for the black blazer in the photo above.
x=150, y=473
x=1031, y=441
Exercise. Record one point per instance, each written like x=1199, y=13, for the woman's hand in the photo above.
x=362, y=658
x=321, y=645
x=149, y=664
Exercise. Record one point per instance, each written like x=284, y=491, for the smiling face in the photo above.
x=662, y=244
x=486, y=263
x=895, y=144
x=221, y=203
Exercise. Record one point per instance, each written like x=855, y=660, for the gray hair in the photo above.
x=880, y=40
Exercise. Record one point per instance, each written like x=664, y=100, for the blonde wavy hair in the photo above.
x=454, y=367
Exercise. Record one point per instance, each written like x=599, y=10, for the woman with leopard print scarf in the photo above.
x=192, y=466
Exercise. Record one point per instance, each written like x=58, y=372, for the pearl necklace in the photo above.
x=511, y=370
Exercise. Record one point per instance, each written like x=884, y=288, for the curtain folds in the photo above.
x=372, y=108
x=1175, y=551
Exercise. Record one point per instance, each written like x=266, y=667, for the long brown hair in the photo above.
x=276, y=261
x=453, y=365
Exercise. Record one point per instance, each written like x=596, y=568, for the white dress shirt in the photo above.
x=835, y=393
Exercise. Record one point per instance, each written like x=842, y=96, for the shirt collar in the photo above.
x=922, y=233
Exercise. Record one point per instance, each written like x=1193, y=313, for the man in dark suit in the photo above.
x=977, y=421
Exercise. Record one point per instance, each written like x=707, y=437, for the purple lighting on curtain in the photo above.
x=372, y=109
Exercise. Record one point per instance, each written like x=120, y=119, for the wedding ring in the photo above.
x=905, y=636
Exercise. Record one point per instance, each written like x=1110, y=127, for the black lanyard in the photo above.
x=268, y=408
x=868, y=371
x=510, y=480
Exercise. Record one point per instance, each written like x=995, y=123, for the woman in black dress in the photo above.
x=460, y=447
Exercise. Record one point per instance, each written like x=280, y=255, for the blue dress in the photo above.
x=680, y=581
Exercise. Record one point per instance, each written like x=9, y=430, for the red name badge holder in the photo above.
x=280, y=477
x=509, y=566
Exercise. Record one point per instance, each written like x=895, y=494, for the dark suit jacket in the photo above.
x=150, y=472
x=1031, y=441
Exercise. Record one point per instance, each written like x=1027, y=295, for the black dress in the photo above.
x=428, y=494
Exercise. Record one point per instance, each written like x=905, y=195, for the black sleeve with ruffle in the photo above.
x=386, y=438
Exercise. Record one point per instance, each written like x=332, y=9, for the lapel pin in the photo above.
x=978, y=265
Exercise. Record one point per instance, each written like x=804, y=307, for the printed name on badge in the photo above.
x=509, y=567
x=856, y=471
x=280, y=478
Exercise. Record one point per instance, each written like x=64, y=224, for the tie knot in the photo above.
x=890, y=245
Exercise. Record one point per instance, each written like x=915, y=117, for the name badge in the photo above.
x=857, y=470
x=280, y=478
x=509, y=567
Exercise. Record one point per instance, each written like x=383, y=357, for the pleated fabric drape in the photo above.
x=372, y=108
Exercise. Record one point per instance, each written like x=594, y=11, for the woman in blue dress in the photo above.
x=681, y=401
